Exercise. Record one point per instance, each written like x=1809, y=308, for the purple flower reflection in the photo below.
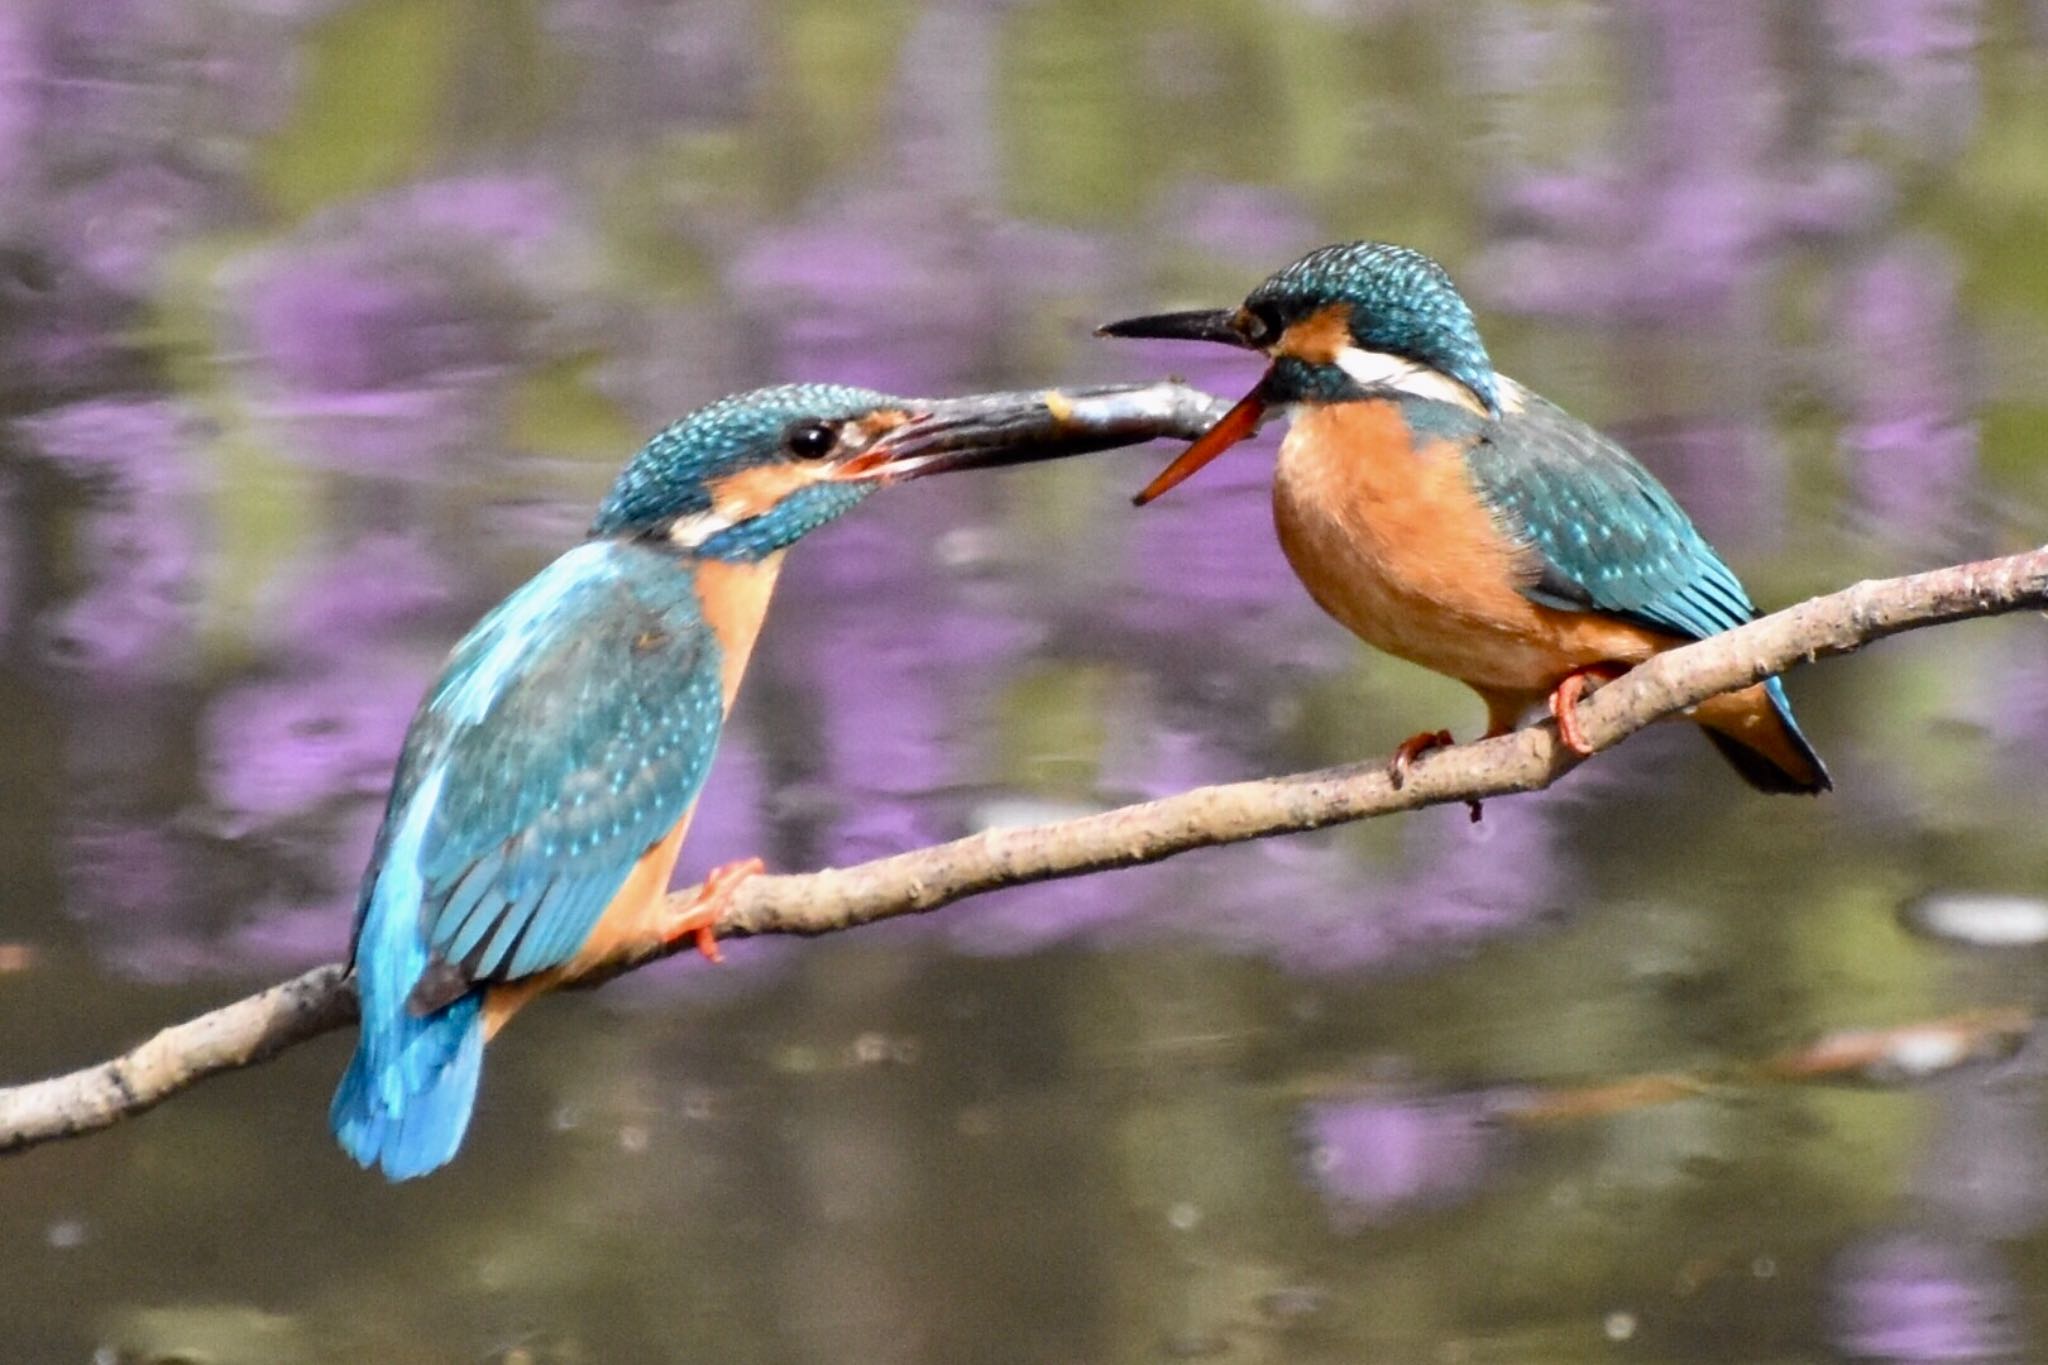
x=107, y=435
x=520, y=221
x=138, y=546
x=136, y=618
x=684, y=61
x=1986, y=1165
x=1249, y=224
x=368, y=593
x=371, y=366
x=896, y=669
x=116, y=228
x=1909, y=1297
x=1376, y=1160
x=20, y=103
x=1728, y=472
x=384, y=330
x=1464, y=884
x=281, y=748
x=134, y=884
x=1720, y=182
x=1920, y=58
x=866, y=298
x=124, y=77
x=1308, y=903
x=1913, y=454
x=2013, y=706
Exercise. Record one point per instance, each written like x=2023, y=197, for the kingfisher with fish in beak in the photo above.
x=548, y=780
x=1449, y=516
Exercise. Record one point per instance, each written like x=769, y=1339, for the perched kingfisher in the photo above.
x=548, y=779
x=1451, y=517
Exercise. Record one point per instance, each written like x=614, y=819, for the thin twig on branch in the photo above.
x=258, y=1027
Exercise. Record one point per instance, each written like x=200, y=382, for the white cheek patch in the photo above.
x=692, y=531
x=1378, y=370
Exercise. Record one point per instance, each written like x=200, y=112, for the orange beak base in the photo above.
x=1240, y=422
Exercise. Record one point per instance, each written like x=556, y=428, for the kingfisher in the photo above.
x=1449, y=516
x=548, y=779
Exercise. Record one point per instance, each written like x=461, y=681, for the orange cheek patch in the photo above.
x=749, y=493
x=1320, y=337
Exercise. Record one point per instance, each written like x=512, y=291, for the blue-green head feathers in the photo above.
x=1401, y=303
x=676, y=474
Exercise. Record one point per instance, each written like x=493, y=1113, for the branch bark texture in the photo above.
x=260, y=1026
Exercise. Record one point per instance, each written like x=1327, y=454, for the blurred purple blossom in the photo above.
x=281, y=748
x=386, y=330
x=1728, y=472
x=694, y=61
x=116, y=229
x=1681, y=224
x=373, y=590
x=862, y=296
x=1912, y=450
x=1919, y=58
x=140, y=545
x=1379, y=1159
x=1985, y=1168
x=1247, y=225
x=1908, y=1297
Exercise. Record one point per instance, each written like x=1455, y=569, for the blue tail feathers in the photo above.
x=405, y=1100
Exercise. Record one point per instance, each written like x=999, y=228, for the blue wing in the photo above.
x=1606, y=536
x=571, y=731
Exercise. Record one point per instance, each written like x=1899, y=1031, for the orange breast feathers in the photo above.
x=734, y=598
x=1391, y=538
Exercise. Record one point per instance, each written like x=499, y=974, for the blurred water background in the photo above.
x=323, y=323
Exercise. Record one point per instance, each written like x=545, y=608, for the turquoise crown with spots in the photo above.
x=1402, y=303
x=673, y=474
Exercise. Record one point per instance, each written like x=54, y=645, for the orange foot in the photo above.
x=1565, y=698
x=1412, y=748
x=700, y=919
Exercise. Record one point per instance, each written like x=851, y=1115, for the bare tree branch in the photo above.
x=259, y=1027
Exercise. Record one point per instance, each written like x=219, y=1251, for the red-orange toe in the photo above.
x=700, y=920
x=1565, y=699
x=1412, y=748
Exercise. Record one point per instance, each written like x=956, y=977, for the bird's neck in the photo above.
x=733, y=596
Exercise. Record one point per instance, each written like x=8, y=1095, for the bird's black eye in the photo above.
x=812, y=440
x=1261, y=328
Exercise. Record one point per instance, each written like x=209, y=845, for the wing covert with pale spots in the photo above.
x=574, y=727
x=1604, y=535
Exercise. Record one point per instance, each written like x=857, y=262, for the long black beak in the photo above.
x=986, y=430
x=1211, y=324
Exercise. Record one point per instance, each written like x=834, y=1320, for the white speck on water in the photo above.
x=1183, y=1217
x=1925, y=1054
x=1017, y=812
x=1763, y=1268
x=1619, y=1326
x=66, y=1234
x=1979, y=919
